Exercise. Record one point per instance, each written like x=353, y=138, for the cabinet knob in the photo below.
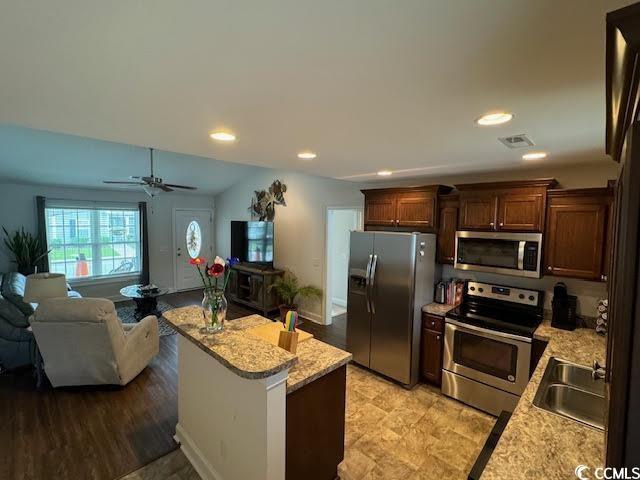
x=437, y=337
x=549, y=268
x=491, y=224
x=502, y=224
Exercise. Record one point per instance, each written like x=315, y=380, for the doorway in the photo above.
x=340, y=221
x=191, y=239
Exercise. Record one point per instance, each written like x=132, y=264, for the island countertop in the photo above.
x=254, y=358
x=540, y=444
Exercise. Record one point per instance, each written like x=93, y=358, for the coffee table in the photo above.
x=146, y=303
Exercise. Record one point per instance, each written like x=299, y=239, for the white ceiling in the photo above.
x=35, y=156
x=367, y=84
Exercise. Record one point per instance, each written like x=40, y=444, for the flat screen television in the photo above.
x=252, y=242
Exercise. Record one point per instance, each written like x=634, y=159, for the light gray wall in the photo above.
x=299, y=227
x=18, y=209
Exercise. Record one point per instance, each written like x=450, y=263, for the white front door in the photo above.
x=192, y=238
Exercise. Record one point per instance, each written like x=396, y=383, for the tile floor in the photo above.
x=391, y=434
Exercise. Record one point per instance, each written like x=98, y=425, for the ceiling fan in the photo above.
x=152, y=185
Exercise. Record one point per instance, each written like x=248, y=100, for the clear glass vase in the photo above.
x=214, y=306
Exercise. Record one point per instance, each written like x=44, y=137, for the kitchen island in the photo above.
x=249, y=409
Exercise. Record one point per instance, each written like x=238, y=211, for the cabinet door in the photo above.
x=431, y=362
x=415, y=209
x=519, y=212
x=575, y=240
x=478, y=211
x=380, y=209
x=448, y=225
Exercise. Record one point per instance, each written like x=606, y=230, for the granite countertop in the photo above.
x=439, y=309
x=243, y=354
x=315, y=359
x=540, y=444
x=254, y=358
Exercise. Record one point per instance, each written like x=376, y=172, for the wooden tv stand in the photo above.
x=249, y=286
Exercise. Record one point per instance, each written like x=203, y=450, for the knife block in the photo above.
x=288, y=341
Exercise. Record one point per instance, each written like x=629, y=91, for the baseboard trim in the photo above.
x=194, y=455
x=341, y=302
x=314, y=317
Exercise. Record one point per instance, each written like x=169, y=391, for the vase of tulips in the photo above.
x=214, y=280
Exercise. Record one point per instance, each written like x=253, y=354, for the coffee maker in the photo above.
x=564, y=308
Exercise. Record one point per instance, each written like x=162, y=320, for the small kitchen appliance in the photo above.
x=564, y=308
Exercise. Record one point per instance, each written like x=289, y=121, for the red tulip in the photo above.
x=197, y=261
x=215, y=270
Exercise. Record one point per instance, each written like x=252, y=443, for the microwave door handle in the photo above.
x=521, y=255
x=372, y=275
x=367, y=281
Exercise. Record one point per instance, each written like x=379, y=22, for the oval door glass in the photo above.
x=194, y=239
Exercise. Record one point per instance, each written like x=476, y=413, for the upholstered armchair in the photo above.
x=82, y=342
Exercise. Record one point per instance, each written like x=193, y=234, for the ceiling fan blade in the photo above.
x=123, y=183
x=165, y=188
x=180, y=186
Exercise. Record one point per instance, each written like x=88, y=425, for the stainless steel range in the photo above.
x=487, y=345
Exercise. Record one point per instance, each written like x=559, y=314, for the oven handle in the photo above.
x=521, y=255
x=487, y=331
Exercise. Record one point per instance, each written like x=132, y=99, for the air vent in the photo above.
x=517, y=141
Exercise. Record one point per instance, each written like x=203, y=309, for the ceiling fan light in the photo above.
x=151, y=190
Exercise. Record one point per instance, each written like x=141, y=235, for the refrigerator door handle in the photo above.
x=367, y=281
x=372, y=276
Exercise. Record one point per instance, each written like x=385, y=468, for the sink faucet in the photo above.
x=599, y=371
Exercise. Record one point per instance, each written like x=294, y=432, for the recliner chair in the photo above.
x=83, y=342
x=17, y=346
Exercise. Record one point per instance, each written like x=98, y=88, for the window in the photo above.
x=91, y=241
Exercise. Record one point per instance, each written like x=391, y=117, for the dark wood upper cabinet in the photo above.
x=623, y=72
x=408, y=209
x=415, y=209
x=478, y=211
x=517, y=206
x=447, y=226
x=380, y=209
x=576, y=233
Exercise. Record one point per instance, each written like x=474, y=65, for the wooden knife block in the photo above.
x=288, y=341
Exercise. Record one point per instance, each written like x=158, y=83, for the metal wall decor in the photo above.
x=263, y=204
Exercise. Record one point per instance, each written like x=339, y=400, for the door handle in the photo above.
x=367, y=281
x=372, y=275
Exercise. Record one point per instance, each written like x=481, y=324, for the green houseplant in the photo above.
x=289, y=290
x=27, y=249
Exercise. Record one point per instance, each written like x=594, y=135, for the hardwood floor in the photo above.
x=102, y=432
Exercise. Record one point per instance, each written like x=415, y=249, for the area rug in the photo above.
x=126, y=314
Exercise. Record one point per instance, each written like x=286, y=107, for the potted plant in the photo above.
x=288, y=289
x=27, y=249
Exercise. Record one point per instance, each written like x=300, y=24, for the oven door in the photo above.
x=499, y=252
x=497, y=359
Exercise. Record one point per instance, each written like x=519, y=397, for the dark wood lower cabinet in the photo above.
x=432, y=347
x=315, y=428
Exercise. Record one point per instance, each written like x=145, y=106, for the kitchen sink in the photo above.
x=569, y=390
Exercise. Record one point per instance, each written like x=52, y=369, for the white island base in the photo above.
x=229, y=427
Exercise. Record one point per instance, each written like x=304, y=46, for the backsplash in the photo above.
x=588, y=293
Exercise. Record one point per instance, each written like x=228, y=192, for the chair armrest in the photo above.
x=142, y=343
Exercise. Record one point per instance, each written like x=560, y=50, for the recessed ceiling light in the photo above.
x=223, y=136
x=307, y=155
x=385, y=173
x=495, y=118
x=534, y=156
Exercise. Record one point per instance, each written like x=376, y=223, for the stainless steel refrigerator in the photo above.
x=391, y=276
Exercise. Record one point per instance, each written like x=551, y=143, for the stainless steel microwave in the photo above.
x=499, y=252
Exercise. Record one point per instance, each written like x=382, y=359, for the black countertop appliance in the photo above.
x=564, y=308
